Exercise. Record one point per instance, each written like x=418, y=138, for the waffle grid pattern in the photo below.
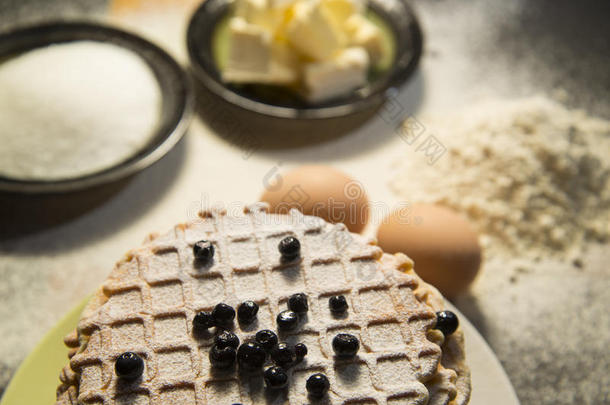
x=150, y=308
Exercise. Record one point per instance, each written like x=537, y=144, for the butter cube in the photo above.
x=282, y=4
x=341, y=10
x=284, y=64
x=345, y=72
x=256, y=12
x=313, y=32
x=249, y=49
x=253, y=58
x=283, y=13
x=364, y=33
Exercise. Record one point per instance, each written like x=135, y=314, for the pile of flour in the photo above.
x=533, y=175
x=73, y=109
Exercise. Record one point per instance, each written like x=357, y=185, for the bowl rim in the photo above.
x=35, y=36
x=396, y=80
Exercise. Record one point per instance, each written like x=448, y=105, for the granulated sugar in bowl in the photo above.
x=70, y=110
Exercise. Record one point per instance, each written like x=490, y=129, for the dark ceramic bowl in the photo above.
x=396, y=13
x=176, y=91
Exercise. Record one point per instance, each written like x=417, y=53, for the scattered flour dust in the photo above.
x=69, y=110
x=531, y=174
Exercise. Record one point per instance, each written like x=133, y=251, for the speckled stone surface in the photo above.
x=546, y=321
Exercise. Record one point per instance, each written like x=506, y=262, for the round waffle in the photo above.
x=150, y=299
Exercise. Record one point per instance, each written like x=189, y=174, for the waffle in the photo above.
x=148, y=303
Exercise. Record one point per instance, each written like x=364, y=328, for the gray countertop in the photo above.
x=548, y=324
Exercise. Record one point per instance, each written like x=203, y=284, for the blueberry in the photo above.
x=251, y=356
x=203, y=250
x=223, y=314
x=267, y=339
x=317, y=385
x=283, y=355
x=222, y=357
x=301, y=351
x=298, y=303
x=447, y=322
x=287, y=320
x=345, y=345
x=246, y=312
x=275, y=378
x=337, y=304
x=203, y=321
x=289, y=248
x=129, y=366
x=227, y=339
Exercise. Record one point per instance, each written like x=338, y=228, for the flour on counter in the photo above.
x=531, y=174
x=73, y=109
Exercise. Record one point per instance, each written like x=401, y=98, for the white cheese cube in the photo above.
x=336, y=77
x=364, y=33
x=312, y=31
x=253, y=58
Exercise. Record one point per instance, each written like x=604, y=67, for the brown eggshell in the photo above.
x=442, y=244
x=322, y=191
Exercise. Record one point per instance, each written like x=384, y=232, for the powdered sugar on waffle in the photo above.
x=148, y=303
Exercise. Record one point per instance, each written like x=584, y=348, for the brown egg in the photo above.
x=442, y=244
x=319, y=190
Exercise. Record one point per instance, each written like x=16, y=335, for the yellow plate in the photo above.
x=36, y=380
x=38, y=376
